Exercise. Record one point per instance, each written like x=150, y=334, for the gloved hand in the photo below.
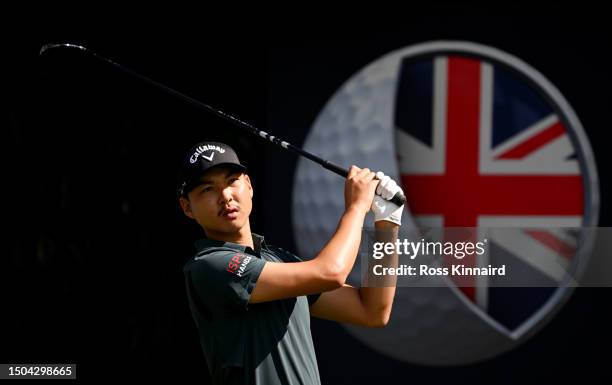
x=383, y=209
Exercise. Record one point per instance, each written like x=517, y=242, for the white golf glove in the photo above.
x=383, y=209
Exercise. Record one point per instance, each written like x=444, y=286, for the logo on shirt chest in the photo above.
x=238, y=263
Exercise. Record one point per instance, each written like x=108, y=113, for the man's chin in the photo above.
x=229, y=227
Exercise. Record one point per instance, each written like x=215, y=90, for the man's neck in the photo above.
x=242, y=237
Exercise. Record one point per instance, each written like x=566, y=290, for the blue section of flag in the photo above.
x=511, y=306
x=502, y=303
x=516, y=105
x=415, y=96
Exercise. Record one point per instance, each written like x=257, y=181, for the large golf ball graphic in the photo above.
x=478, y=139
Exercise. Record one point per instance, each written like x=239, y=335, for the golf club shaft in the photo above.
x=399, y=199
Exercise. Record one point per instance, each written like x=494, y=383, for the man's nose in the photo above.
x=226, y=195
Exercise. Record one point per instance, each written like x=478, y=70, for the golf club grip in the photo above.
x=398, y=199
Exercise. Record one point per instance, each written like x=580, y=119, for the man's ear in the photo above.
x=248, y=181
x=186, y=206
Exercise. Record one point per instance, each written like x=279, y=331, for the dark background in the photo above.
x=91, y=265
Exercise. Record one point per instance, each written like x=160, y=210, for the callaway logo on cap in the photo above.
x=201, y=158
x=200, y=150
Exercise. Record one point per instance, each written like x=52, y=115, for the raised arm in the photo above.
x=369, y=305
x=330, y=268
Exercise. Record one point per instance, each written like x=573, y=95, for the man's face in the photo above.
x=222, y=202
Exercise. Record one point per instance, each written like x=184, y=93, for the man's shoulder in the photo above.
x=283, y=254
x=210, y=255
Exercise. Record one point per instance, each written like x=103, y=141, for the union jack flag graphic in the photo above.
x=480, y=145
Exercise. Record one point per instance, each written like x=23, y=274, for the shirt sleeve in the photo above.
x=288, y=257
x=226, y=277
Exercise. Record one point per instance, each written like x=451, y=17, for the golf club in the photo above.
x=398, y=199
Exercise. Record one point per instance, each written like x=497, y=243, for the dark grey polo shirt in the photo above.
x=264, y=343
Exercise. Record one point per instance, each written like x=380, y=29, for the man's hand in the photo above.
x=359, y=188
x=383, y=209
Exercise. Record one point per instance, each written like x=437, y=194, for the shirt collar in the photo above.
x=258, y=242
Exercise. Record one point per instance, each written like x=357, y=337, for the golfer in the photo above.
x=251, y=301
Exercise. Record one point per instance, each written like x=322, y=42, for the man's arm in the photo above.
x=330, y=268
x=327, y=271
x=366, y=306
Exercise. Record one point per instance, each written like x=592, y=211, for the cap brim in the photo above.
x=194, y=180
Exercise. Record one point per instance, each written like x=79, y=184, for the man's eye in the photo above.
x=206, y=189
